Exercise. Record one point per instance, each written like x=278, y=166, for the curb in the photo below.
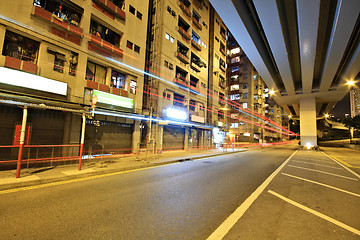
x=29, y=183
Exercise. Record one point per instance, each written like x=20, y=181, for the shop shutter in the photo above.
x=173, y=138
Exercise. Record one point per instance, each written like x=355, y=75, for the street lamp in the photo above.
x=326, y=115
x=272, y=92
x=351, y=83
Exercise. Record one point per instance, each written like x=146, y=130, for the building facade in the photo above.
x=60, y=58
x=249, y=97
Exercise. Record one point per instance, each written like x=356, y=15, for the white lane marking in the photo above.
x=314, y=170
x=316, y=160
x=225, y=227
x=323, y=216
x=317, y=164
x=354, y=173
x=322, y=184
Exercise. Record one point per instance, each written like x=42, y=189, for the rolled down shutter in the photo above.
x=173, y=137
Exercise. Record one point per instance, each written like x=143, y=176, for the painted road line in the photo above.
x=315, y=160
x=225, y=227
x=317, y=164
x=318, y=214
x=332, y=174
x=322, y=184
x=338, y=161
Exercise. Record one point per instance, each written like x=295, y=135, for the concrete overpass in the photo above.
x=305, y=50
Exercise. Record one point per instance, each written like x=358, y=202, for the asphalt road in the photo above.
x=187, y=200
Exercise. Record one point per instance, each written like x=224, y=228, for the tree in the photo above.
x=352, y=122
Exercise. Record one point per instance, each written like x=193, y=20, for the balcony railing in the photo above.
x=185, y=9
x=195, y=45
x=223, y=35
x=195, y=67
x=105, y=88
x=222, y=50
x=103, y=47
x=61, y=28
x=196, y=23
x=194, y=89
x=184, y=33
x=18, y=64
x=222, y=84
x=223, y=68
x=198, y=4
x=107, y=5
x=182, y=57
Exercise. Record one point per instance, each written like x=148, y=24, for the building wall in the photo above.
x=60, y=39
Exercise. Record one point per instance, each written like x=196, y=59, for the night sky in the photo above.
x=342, y=107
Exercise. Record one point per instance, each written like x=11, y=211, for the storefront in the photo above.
x=173, y=138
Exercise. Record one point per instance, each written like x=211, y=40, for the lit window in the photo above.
x=245, y=105
x=118, y=80
x=235, y=96
x=234, y=87
x=235, y=60
x=244, y=95
x=133, y=85
x=167, y=36
x=172, y=40
x=235, y=51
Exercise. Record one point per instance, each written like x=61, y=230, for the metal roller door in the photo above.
x=108, y=137
x=173, y=137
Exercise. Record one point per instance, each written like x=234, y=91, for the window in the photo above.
x=234, y=69
x=222, y=64
x=133, y=86
x=166, y=63
x=196, y=38
x=192, y=105
x=178, y=100
x=104, y=33
x=245, y=105
x=59, y=62
x=204, y=24
x=129, y=44
x=204, y=45
x=137, y=48
x=118, y=80
x=201, y=107
x=167, y=36
x=235, y=96
x=95, y=73
x=235, y=59
x=171, y=67
x=172, y=40
x=68, y=12
x=168, y=96
x=20, y=47
x=244, y=95
x=234, y=87
x=234, y=125
x=132, y=9
x=245, y=86
x=217, y=39
x=139, y=15
x=234, y=51
x=73, y=62
x=256, y=97
x=203, y=85
x=245, y=76
x=168, y=9
x=234, y=78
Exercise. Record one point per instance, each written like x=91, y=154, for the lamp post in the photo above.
x=351, y=83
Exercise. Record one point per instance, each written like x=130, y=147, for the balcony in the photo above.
x=184, y=33
x=18, y=64
x=118, y=91
x=198, y=4
x=182, y=57
x=222, y=50
x=109, y=9
x=102, y=47
x=223, y=68
x=196, y=23
x=194, y=89
x=60, y=27
x=223, y=35
x=181, y=81
x=222, y=84
x=97, y=86
x=195, y=67
x=185, y=10
x=195, y=45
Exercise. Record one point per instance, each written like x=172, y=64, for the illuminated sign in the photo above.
x=112, y=99
x=199, y=119
x=176, y=113
x=27, y=80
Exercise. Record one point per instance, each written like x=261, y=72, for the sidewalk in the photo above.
x=35, y=176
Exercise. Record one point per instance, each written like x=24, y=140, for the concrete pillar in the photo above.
x=186, y=139
x=136, y=137
x=2, y=37
x=308, y=122
x=158, y=131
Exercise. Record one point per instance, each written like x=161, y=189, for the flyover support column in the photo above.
x=308, y=133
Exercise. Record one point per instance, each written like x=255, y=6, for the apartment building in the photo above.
x=59, y=59
x=354, y=102
x=248, y=94
x=180, y=39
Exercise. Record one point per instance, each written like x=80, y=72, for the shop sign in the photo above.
x=112, y=99
x=198, y=119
